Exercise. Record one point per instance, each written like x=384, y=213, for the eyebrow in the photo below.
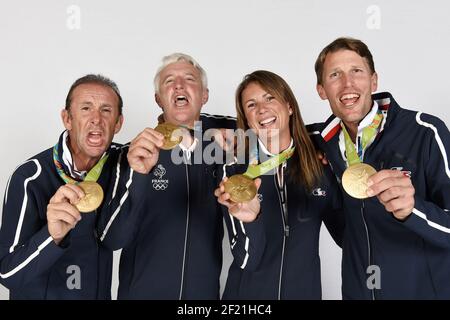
x=88, y=103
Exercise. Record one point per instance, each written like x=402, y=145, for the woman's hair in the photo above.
x=306, y=168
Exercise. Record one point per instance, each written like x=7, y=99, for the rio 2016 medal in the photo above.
x=93, y=196
x=240, y=188
x=167, y=130
x=354, y=180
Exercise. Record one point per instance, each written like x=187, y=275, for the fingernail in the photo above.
x=369, y=192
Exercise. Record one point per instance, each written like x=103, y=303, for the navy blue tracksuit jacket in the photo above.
x=169, y=225
x=32, y=266
x=413, y=256
x=277, y=255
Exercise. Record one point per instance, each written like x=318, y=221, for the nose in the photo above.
x=95, y=116
x=261, y=107
x=179, y=83
x=347, y=80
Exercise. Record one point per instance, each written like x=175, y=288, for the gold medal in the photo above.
x=240, y=188
x=167, y=130
x=354, y=180
x=93, y=196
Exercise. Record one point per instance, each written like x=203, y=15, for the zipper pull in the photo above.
x=286, y=231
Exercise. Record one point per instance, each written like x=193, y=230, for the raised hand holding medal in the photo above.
x=241, y=186
x=171, y=140
x=355, y=177
x=93, y=192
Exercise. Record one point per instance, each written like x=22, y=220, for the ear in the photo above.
x=205, y=96
x=289, y=109
x=374, y=85
x=158, y=101
x=118, y=124
x=321, y=92
x=66, y=119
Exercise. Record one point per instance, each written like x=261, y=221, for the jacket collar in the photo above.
x=386, y=104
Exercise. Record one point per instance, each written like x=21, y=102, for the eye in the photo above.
x=168, y=81
x=85, y=108
x=251, y=105
x=356, y=70
x=106, y=110
x=269, y=98
x=190, y=78
x=334, y=75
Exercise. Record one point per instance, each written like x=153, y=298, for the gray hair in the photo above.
x=175, y=57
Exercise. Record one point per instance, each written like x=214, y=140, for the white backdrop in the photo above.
x=47, y=44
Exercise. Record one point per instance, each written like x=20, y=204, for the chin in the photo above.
x=96, y=152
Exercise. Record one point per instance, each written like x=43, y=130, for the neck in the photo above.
x=277, y=144
x=81, y=161
x=185, y=123
x=352, y=129
x=187, y=139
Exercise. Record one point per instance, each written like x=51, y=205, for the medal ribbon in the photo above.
x=254, y=171
x=92, y=175
x=368, y=134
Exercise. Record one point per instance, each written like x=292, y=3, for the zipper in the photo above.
x=368, y=243
x=187, y=227
x=284, y=215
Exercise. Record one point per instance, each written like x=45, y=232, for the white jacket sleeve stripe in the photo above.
x=430, y=223
x=30, y=258
x=122, y=200
x=438, y=140
x=24, y=204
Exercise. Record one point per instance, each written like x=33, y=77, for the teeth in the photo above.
x=266, y=121
x=180, y=100
x=349, y=96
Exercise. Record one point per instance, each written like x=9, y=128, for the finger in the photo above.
x=258, y=182
x=139, y=152
x=225, y=200
x=217, y=192
x=395, y=192
x=389, y=194
x=143, y=143
x=222, y=184
x=148, y=136
x=63, y=207
x=235, y=208
x=400, y=205
x=61, y=215
x=67, y=193
x=390, y=182
x=384, y=174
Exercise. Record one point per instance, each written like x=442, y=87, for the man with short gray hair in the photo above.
x=163, y=213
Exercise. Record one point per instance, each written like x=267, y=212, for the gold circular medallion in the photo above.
x=240, y=188
x=167, y=130
x=93, y=196
x=354, y=180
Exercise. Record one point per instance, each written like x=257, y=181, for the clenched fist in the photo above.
x=243, y=211
x=62, y=215
x=143, y=152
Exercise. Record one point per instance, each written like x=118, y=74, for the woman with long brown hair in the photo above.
x=275, y=236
